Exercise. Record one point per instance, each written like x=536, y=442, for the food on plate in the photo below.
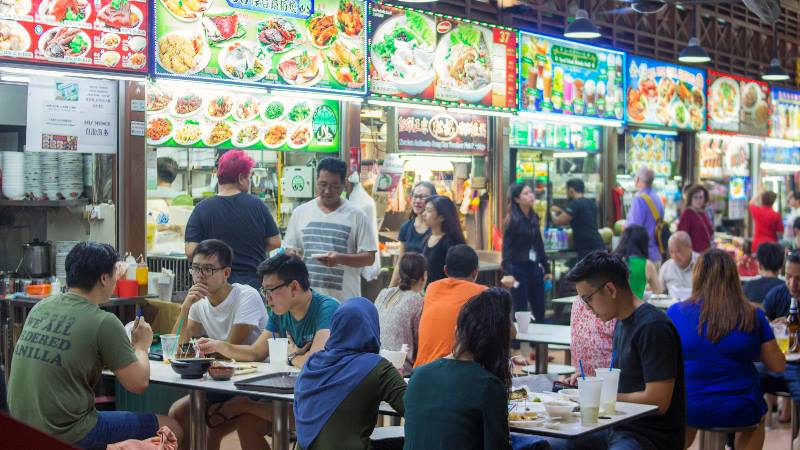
x=247, y=109
x=347, y=65
x=762, y=113
x=724, y=99
x=187, y=104
x=637, y=105
x=15, y=7
x=518, y=394
x=65, y=42
x=274, y=110
x=300, y=137
x=695, y=118
x=242, y=61
x=158, y=128
x=467, y=60
x=246, y=136
x=223, y=27
x=275, y=136
x=157, y=100
x=277, y=34
x=698, y=98
x=188, y=133
x=648, y=87
x=300, y=67
x=65, y=10
x=751, y=96
x=299, y=112
x=514, y=416
x=321, y=29
x=119, y=14
x=137, y=43
x=666, y=89
x=110, y=40
x=220, y=107
x=110, y=59
x=187, y=10
x=349, y=18
x=405, y=53
x=684, y=92
x=681, y=115
x=179, y=53
x=137, y=60
x=220, y=132
x=13, y=37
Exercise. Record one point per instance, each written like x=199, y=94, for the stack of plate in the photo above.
x=50, y=169
x=33, y=175
x=62, y=250
x=14, y=175
x=70, y=176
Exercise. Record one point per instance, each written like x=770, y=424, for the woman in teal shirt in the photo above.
x=633, y=247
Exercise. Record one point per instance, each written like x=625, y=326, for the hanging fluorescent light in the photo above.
x=582, y=27
x=661, y=132
x=694, y=53
x=570, y=154
x=775, y=72
x=480, y=112
x=570, y=120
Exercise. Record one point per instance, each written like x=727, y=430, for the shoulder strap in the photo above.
x=652, y=206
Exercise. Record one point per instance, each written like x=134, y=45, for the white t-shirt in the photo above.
x=243, y=306
x=673, y=277
x=346, y=230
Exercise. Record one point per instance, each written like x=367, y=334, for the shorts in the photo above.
x=118, y=426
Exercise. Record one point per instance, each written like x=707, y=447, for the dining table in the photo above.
x=541, y=336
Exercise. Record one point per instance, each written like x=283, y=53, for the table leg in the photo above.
x=280, y=425
x=541, y=358
x=197, y=419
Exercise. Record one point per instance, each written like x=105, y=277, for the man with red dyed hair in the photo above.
x=237, y=218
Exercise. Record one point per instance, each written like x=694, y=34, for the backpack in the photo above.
x=661, y=232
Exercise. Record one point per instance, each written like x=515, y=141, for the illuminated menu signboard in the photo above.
x=738, y=105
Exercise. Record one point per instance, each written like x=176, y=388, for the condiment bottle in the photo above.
x=130, y=273
x=793, y=326
x=142, y=275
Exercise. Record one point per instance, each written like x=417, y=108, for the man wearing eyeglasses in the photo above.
x=234, y=313
x=648, y=352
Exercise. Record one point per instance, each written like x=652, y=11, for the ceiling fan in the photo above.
x=767, y=10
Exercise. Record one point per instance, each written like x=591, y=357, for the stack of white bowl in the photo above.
x=33, y=174
x=50, y=170
x=70, y=175
x=62, y=250
x=14, y=175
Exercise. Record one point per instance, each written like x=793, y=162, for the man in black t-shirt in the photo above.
x=648, y=353
x=770, y=262
x=581, y=216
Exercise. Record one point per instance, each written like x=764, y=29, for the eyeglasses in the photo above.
x=588, y=298
x=267, y=292
x=205, y=271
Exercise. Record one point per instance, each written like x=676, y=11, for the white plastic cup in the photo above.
x=589, y=390
x=169, y=345
x=278, y=353
x=523, y=320
x=396, y=357
x=608, y=398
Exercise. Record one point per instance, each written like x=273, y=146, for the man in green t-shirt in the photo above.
x=296, y=312
x=66, y=342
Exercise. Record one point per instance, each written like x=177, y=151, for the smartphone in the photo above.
x=559, y=385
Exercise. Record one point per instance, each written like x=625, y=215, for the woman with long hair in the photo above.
x=472, y=412
x=722, y=335
x=414, y=231
x=524, y=259
x=633, y=246
x=441, y=216
x=694, y=219
x=400, y=307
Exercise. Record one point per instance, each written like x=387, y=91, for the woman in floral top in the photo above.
x=399, y=308
x=591, y=339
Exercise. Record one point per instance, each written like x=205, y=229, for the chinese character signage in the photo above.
x=568, y=78
x=108, y=35
x=738, y=105
x=295, y=44
x=785, y=114
x=190, y=117
x=72, y=114
x=665, y=95
x=420, y=130
x=418, y=55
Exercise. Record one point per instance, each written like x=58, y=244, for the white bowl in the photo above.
x=571, y=394
x=559, y=409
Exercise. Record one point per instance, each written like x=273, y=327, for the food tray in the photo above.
x=279, y=383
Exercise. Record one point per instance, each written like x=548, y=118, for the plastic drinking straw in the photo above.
x=274, y=336
x=613, y=357
x=180, y=324
x=583, y=375
x=138, y=312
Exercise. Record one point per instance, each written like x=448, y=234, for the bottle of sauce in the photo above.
x=793, y=327
x=141, y=275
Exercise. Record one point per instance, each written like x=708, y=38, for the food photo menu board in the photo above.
x=568, y=78
x=785, y=114
x=315, y=45
x=654, y=150
x=737, y=105
x=109, y=35
x=185, y=116
x=665, y=95
x=422, y=56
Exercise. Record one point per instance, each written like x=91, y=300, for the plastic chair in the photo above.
x=715, y=438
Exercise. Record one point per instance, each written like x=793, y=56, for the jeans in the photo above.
x=528, y=442
x=118, y=426
x=606, y=439
x=529, y=295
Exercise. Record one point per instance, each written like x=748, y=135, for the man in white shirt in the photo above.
x=216, y=308
x=334, y=238
x=676, y=274
x=166, y=173
x=794, y=212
